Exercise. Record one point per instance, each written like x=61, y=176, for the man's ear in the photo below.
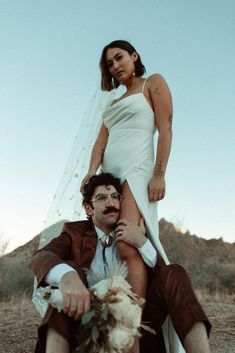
x=88, y=209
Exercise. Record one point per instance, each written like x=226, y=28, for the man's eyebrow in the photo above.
x=108, y=61
x=100, y=194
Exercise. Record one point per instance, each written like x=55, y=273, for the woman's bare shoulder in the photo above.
x=155, y=78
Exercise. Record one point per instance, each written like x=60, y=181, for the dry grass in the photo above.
x=18, y=325
x=19, y=320
x=204, y=296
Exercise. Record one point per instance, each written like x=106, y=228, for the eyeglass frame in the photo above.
x=108, y=196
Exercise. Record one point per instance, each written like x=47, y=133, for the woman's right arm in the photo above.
x=96, y=154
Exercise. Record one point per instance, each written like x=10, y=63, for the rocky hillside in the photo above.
x=211, y=263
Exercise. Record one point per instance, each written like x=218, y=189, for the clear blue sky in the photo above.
x=49, y=71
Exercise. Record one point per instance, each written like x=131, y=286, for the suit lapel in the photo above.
x=89, y=243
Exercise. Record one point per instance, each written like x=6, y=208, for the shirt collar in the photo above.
x=100, y=233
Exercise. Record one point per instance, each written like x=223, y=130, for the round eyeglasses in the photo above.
x=103, y=198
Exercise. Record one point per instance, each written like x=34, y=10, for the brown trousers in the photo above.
x=170, y=293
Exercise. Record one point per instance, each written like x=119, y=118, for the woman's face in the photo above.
x=120, y=63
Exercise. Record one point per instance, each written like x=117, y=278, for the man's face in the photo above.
x=105, y=211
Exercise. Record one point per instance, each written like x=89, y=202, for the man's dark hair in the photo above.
x=99, y=180
x=107, y=81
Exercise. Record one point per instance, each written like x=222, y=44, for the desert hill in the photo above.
x=211, y=263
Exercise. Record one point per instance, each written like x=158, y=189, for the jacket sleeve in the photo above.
x=54, y=253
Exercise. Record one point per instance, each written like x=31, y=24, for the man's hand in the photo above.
x=76, y=295
x=130, y=233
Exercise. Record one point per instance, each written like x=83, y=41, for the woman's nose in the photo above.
x=116, y=65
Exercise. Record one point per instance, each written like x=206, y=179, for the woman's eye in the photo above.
x=119, y=57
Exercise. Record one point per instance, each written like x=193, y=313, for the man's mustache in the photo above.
x=111, y=210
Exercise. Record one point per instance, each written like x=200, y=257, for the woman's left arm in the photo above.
x=162, y=106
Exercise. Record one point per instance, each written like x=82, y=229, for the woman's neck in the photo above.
x=132, y=83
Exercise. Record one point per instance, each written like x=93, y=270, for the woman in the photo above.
x=125, y=147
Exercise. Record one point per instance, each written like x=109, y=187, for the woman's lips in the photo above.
x=119, y=73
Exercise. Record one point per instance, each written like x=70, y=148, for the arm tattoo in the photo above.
x=156, y=91
x=159, y=170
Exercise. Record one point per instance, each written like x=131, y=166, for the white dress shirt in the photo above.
x=147, y=251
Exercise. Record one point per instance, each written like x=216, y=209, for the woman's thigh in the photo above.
x=129, y=208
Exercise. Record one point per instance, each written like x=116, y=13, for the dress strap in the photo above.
x=144, y=84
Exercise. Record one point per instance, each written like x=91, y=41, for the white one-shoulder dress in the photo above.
x=130, y=155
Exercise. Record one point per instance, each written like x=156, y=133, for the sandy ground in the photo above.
x=18, y=325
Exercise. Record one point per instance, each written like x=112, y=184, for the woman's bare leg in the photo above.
x=137, y=272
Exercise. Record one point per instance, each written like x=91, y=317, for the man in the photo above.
x=91, y=245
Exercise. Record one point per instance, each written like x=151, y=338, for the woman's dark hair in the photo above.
x=108, y=82
x=99, y=180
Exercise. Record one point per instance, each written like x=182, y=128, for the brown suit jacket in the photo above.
x=76, y=246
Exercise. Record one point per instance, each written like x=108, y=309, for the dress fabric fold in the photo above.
x=130, y=155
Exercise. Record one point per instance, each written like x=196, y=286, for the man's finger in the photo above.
x=80, y=307
x=119, y=234
x=120, y=238
x=72, y=307
x=66, y=303
x=79, y=310
x=123, y=221
x=87, y=305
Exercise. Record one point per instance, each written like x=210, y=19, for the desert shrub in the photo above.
x=226, y=276
x=15, y=278
x=214, y=278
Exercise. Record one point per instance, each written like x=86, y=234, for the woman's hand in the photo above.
x=156, y=188
x=86, y=180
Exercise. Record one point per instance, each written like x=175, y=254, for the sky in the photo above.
x=49, y=71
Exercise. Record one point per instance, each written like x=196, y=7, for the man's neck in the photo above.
x=105, y=229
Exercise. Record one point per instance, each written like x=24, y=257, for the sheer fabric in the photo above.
x=67, y=201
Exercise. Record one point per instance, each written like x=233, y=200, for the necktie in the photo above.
x=106, y=241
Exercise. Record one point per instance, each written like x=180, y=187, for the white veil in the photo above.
x=67, y=202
